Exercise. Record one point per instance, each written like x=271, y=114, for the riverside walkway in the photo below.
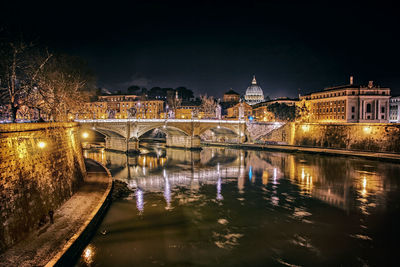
x=394, y=157
x=48, y=245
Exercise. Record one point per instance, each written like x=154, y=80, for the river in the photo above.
x=231, y=207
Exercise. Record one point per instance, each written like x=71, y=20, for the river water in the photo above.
x=229, y=207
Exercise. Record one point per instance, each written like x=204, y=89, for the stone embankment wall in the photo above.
x=41, y=167
x=379, y=137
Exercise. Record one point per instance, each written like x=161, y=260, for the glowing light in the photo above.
x=367, y=129
x=41, y=144
x=88, y=255
x=85, y=135
x=305, y=128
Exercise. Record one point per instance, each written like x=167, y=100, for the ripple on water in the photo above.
x=362, y=237
x=227, y=241
x=222, y=221
x=300, y=213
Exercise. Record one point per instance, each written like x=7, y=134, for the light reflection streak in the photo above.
x=250, y=173
x=219, y=195
x=88, y=255
x=139, y=200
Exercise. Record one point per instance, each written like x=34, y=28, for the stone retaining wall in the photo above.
x=379, y=137
x=41, y=167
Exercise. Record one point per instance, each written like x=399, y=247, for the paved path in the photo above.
x=42, y=245
x=331, y=151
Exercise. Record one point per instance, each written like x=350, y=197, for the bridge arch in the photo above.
x=167, y=129
x=105, y=132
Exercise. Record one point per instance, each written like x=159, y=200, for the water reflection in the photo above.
x=295, y=208
x=328, y=179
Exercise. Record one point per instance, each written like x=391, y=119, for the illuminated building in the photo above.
x=231, y=97
x=95, y=110
x=394, y=113
x=187, y=110
x=123, y=107
x=348, y=103
x=254, y=93
x=148, y=109
x=233, y=112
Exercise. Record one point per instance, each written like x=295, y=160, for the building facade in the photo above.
x=187, y=111
x=234, y=111
x=123, y=107
x=254, y=93
x=347, y=103
x=231, y=97
x=394, y=112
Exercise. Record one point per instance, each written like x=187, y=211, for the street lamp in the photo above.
x=85, y=135
x=41, y=144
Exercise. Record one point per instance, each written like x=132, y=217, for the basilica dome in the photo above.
x=254, y=93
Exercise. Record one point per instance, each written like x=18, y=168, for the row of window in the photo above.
x=330, y=103
x=322, y=110
x=343, y=93
x=331, y=117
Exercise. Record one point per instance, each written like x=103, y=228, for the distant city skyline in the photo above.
x=211, y=47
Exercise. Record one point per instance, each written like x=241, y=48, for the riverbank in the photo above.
x=391, y=157
x=57, y=243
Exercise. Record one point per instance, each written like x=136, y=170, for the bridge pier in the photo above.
x=181, y=141
x=122, y=144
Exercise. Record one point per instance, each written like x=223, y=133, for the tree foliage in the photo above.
x=283, y=112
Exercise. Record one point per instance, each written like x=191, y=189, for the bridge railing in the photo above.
x=161, y=120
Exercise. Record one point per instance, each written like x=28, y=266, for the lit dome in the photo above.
x=254, y=93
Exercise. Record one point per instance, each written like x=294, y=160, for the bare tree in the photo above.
x=63, y=86
x=208, y=106
x=18, y=72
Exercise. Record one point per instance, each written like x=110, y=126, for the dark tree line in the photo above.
x=183, y=92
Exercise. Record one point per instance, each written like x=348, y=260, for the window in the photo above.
x=383, y=93
x=383, y=117
x=352, y=117
x=353, y=93
x=368, y=117
x=353, y=109
x=383, y=109
x=368, y=108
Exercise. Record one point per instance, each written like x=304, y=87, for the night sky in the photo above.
x=211, y=47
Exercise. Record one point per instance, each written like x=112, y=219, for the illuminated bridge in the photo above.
x=124, y=134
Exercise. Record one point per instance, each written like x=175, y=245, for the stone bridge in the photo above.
x=125, y=134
